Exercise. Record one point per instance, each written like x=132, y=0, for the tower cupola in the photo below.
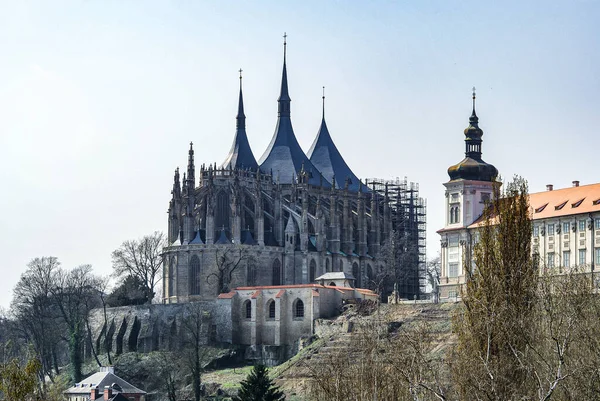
x=472, y=167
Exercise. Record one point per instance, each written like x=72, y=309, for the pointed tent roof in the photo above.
x=284, y=156
x=326, y=157
x=240, y=155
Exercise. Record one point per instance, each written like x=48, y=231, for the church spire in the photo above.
x=241, y=117
x=473, y=135
x=284, y=96
x=240, y=156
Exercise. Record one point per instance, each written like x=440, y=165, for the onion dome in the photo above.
x=240, y=156
x=325, y=156
x=284, y=158
x=472, y=167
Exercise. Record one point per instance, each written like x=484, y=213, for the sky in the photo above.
x=100, y=99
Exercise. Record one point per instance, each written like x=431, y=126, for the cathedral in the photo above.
x=289, y=218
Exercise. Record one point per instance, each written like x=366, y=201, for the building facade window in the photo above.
x=454, y=214
x=582, y=257
x=453, y=270
x=597, y=256
x=566, y=228
x=276, y=272
x=312, y=274
x=566, y=259
x=536, y=230
x=248, y=309
x=171, y=279
x=550, y=229
x=597, y=223
x=195, y=276
x=298, y=309
x=581, y=225
x=550, y=260
x=271, y=309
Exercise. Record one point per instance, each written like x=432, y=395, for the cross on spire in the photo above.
x=284, y=45
x=474, y=96
x=323, y=97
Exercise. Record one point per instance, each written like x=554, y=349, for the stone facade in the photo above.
x=268, y=320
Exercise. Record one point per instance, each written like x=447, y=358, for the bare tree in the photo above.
x=142, y=260
x=401, y=269
x=433, y=277
x=228, y=261
x=194, y=352
x=35, y=312
x=75, y=293
x=524, y=332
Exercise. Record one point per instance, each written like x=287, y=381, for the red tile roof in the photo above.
x=227, y=295
x=256, y=294
x=280, y=294
x=563, y=202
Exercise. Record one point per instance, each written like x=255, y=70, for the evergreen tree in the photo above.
x=259, y=387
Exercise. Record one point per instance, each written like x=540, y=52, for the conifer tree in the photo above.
x=259, y=387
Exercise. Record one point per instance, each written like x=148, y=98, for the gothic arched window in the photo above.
x=356, y=274
x=341, y=268
x=248, y=309
x=327, y=266
x=171, y=279
x=276, y=272
x=298, y=309
x=195, y=275
x=369, y=272
x=222, y=212
x=312, y=271
x=271, y=309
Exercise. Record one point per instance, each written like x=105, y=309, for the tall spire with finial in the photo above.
x=241, y=117
x=284, y=96
x=325, y=156
x=240, y=155
x=284, y=156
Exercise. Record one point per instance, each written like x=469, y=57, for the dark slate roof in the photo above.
x=325, y=156
x=223, y=238
x=248, y=239
x=284, y=157
x=240, y=156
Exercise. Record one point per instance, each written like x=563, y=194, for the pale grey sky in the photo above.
x=99, y=100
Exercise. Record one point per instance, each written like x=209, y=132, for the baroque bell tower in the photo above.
x=471, y=186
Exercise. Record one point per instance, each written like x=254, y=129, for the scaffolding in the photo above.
x=407, y=221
